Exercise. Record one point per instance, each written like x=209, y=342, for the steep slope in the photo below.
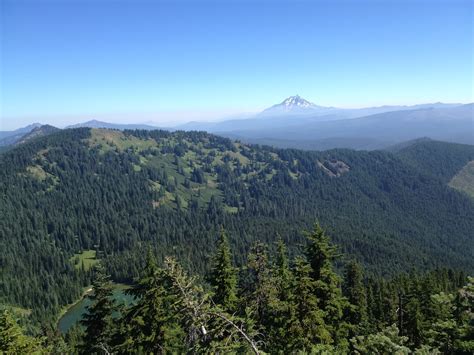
x=464, y=179
x=119, y=192
x=37, y=132
x=439, y=159
x=11, y=137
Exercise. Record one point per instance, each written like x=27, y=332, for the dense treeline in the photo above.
x=121, y=193
x=437, y=158
x=272, y=304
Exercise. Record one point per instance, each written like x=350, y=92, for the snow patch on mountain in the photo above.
x=294, y=105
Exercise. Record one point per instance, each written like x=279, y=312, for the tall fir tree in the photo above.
x=280, y=307
x=208, y=329
x=355, y=292
x=442, y=332
x=321, y=254
x=306, y=325
x=464, y=344
x=149, y=326
x=13, y=339
x=223, y=277
x=98, y=318
x=282, y=271
x=261, y=296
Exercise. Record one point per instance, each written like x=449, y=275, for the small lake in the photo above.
x=75, y=313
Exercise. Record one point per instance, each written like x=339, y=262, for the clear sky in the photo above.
x=68, y=61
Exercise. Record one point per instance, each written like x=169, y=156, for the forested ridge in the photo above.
x=438, y=159
x=121, y=193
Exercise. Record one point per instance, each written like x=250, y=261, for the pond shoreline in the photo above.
x=67, y=308
x=72, y=313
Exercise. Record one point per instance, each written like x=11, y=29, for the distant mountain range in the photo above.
x=299, y=123
x=100, y=124
x=11, y=137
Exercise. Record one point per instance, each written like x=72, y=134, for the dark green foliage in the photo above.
x=296, y=307
x=223, y=276
x=437, y=158
x=355, y=291
x=285, y=306
x=148, y=326
x=207, y=328
x=307, y=326
x=98, y=319
x=321, y=255
x=118, y=193
x=13, y=340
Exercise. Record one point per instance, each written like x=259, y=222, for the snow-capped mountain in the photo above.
x=296, y=101
x=294, y=105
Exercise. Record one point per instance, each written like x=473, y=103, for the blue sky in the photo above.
x=68, y=61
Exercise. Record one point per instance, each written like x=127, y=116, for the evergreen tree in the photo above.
x=14, y=341
x=149, y=325
x=442, y=332
x=306, y=326
x=208, y=329
x=223, y=276
x=98, y=318
x=280, y=306
x=384, y=342
x=261, y=295
x=355, y=292
x=73, y=338
x=414, y=321
x=321, y=255
x=282, y=271
x=464, y=344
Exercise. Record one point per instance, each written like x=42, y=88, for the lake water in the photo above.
x=75, y=313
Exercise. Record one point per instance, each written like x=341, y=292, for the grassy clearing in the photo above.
x=87, y=259
x=37, y=172
x=106, y=139
x=180, y=191
x=17, y=311
x=464, y=180
x=242, y=159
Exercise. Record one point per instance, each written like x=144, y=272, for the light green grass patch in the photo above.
x=230, y=209
x=106, y=139
x=15, y=310
x=37, y=172
x=86, y=259
x=242, y=159
x=464, y=179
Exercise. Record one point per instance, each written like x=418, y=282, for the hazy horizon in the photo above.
x=174, y=62
x=169, y=119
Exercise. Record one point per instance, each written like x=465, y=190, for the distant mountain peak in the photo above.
x=297, y=101
x=294, y=105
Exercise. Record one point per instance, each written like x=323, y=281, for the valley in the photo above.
x=121, y=192
x=236, y=177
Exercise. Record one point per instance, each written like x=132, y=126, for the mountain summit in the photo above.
x=293, y=105
x=296, y=101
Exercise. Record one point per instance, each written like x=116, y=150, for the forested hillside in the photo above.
x=119, y=193
x=438, y=159
x=272, y=304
